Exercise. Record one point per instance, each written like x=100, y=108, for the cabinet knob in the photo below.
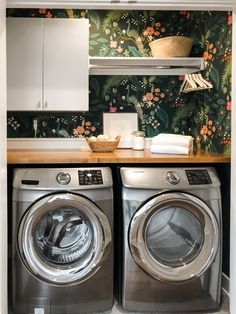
x=45, y=105
x=38, y=106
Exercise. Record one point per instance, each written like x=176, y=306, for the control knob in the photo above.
x=172, y=177
x=63, y=178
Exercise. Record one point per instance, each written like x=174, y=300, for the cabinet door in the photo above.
x=24, y=63
x=66, y=64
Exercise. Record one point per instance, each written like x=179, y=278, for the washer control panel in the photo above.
x=90, y=177
x=198, y=176
x=63, y=178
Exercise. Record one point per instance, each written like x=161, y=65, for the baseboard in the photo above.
x=225, y=284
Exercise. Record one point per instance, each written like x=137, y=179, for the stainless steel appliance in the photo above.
x=62, y=240
x=171, y=239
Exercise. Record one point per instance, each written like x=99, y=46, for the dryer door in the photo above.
x=64, y=238
x=174, y=237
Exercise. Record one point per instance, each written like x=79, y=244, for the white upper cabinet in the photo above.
x=47, y=64
x=24, y=64
x=125, y=4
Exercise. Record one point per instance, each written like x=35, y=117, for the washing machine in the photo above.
x=62, y=231
x=171, y=239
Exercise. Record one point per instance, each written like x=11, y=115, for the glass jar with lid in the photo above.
x=138, y=140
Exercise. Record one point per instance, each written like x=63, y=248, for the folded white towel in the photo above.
x=167, y=149
x=173, y=139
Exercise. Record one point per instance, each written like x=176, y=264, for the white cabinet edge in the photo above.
x=53, y=143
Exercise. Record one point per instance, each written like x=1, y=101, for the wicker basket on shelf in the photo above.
x=103, y=146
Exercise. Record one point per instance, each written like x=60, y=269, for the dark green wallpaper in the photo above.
x=160, y=106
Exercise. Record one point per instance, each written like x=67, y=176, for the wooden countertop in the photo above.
x=75, y=156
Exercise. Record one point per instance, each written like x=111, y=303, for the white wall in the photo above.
x=233, y=183
x=3, y=168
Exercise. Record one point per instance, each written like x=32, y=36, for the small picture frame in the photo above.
x=122, y=124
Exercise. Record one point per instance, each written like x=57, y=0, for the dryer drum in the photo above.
x=174, y=237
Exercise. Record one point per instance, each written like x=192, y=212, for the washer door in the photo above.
x=174, y=237
x=64, y=238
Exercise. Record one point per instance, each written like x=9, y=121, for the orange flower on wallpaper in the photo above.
x=149, y=96
x=150, y=30
x=205, y=55
x=204, y=130
x=79, y=129
x=49, y=15
x=228, y=106
x=113, y=44
x=42, y=11
x=230, y=20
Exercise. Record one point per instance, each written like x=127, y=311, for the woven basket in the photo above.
x=103, y=146
x=172, y=46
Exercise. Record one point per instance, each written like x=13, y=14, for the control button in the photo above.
x=172, y=177
x=63, y=178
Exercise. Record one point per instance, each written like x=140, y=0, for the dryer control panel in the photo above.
x=198, y=176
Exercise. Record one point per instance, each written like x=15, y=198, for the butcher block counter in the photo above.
x=75, y=156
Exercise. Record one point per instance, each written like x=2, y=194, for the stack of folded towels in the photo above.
x=172, y=144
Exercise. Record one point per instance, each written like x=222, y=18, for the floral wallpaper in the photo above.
x=160, y=105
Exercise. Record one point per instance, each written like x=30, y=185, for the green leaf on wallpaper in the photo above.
x=226, y=76
x=225, y=90
x=152, y=13
x=208, y=34
x=132, y=99
x=135, y=52
x=94, y=35
x=215, y=26
x=221, y=20
x=220, y=102
x=214, y=106
x=137, y=16
x=145, y=81
x=151, y=79
x=102, y=40
x=62, y=14
x=163, y=116
x=111, y=16
x=215, y=76
x=150, y=132
x=93, y=43
x=94, y=17
x=146, y=15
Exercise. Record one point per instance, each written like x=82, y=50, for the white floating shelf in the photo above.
x=125, y=4
x=144, y=66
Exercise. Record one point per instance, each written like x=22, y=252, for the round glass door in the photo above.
x=64, y=238
x=174, y=237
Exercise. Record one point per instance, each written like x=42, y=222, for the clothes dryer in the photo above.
x=62, y=240
x=171, y=239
